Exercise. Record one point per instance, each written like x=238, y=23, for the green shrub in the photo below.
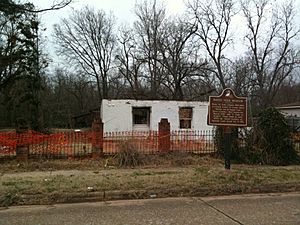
x=269, y=142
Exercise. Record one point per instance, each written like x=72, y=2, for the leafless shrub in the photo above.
x=128, y=156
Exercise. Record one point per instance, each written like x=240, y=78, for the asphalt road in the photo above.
x=281, y=209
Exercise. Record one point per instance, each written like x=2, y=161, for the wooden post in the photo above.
x=22, y=149
x=97, y=142
x=164, y=142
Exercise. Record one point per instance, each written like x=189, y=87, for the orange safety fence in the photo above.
x=30, y=137
x=43, y=144
x=8, y=143
x=72, y=143
x=144, y=141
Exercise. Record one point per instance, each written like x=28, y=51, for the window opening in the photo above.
x=185, y=117
x=141, y=115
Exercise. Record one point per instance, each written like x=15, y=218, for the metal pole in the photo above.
x=227, y=147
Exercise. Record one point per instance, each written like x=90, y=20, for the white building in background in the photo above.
x=143, y=115
x=292, y=114
x=292, y=109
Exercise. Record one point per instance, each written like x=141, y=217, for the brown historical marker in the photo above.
x=227, y=111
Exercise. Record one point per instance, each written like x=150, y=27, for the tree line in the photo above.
x=184, y=57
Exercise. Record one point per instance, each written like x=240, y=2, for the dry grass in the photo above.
x=171, y=175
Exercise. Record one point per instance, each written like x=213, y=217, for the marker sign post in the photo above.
x=227, y=111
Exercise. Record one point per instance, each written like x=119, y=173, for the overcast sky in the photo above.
x=122, y=9
x=124, y=12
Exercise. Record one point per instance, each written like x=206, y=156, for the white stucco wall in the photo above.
x=117, y=114
x=292, y=111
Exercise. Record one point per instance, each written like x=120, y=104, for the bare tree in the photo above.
x=243, y=78
x=180, y=58
x=213, y=20
x=13, y=6
x=270, y=35
x=289, y=92
x=68, y=94
x=87, y=39
x=148, y=28
x=129, y=62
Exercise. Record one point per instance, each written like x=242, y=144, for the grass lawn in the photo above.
x=48, y=182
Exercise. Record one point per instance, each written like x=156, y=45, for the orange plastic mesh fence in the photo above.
x=72, y=143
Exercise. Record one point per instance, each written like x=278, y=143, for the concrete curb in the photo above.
x=176, y=192
x=96, y=196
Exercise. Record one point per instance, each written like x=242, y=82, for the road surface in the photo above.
x=281, y=209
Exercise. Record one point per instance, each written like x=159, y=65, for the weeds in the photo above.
x=12, y=197
x=128, y=156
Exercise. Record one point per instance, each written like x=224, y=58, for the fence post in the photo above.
x=97, y=142
x=164, y=142
x=22, y=149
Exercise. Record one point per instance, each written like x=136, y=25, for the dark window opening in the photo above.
x=185, y=117
x=141, y=115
